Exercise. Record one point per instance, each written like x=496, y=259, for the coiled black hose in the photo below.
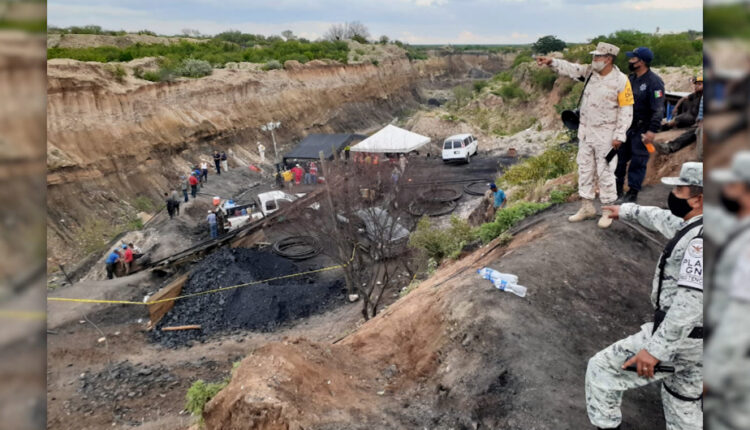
x=297, y=247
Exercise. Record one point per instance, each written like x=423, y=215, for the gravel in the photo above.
x=259, y=307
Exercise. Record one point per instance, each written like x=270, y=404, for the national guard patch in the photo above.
x=643, y=86
x=691, y=270
x=658, y=94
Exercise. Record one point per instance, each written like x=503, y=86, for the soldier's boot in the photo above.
x=631, y=196
x=605, y=221
x=619, y=186
x=587, y=211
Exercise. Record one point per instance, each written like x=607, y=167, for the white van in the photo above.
x=460, y=147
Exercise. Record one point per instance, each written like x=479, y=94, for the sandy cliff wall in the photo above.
x=110, y=141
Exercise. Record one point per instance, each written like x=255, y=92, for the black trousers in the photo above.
x=218, y=166
x=635, y=152
x=110, y=270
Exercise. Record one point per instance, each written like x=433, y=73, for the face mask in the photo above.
x=679, y=207
x=632, y=67
x=730, y=205
x=598, y=66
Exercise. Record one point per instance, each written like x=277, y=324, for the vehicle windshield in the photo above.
x=448, y=145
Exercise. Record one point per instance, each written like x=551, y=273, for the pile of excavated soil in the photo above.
x=457, y=353
x=261, y=307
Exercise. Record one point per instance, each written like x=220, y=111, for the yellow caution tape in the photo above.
x=201, y=293
x=23, y=315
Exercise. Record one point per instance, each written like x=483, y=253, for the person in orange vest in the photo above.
x=375, y=159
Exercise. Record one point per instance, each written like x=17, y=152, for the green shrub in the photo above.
x=199, y=394
x=438, y=244
x=374, y=62
x=511, y=91
x=561, y=195
x=94, y=234
x=119, y=73
x=507, y=218
x=479, y=85
x=461, y=95
x=569, y=101
x=503, y=77
x=193, y=68
x=217, y=51
x=143, y=204
x=272, y=65
x=543, y=78
x=551, y=163
x=522, y=57
x=676, y=49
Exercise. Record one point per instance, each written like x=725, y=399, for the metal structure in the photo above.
x=271, y=126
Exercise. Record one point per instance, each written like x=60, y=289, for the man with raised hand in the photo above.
x=606, y=113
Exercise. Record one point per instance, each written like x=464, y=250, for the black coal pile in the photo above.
x=259, y=307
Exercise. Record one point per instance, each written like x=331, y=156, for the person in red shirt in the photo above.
x=298, y=172
x=127, y=258
x=193, y=185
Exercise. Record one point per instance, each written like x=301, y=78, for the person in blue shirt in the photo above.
x=648, y=111
x=495, y=199
x=111, y=263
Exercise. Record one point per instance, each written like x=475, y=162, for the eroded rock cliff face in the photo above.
x=110, y=140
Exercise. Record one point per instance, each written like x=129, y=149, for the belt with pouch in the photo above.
x=659, y=314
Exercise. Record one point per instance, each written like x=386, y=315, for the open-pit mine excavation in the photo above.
x=288, y=245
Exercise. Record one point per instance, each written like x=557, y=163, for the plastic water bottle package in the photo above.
x=503, y=281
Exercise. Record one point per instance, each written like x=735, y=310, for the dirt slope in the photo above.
x=456, y=353
x=110, y=141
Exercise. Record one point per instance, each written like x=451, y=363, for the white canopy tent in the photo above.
x=391, y=139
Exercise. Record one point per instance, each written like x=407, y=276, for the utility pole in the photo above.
x=271, y=126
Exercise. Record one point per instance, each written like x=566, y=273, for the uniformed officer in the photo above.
x=648, y=111
x=728, y=307
x=606, y=113
x=675, y=338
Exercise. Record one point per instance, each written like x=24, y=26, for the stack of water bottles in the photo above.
x=503, y=281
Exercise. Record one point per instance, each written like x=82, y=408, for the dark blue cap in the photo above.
x=492, y=185
x=643, y=53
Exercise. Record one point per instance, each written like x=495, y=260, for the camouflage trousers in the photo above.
x=731, y=412
x=594, y=170
x=606, y=382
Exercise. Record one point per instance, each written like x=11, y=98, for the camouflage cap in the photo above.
x=691, y=173
x=739, y=172
x=604, y=48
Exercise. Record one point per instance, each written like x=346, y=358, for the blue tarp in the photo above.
x=311, y=145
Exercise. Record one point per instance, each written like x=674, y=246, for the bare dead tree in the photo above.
x=360, y=227
x=288, y=35
x=355, y=29
x=336, y=32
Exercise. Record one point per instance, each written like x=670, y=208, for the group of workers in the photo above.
x=124, y=257
x=624, y=113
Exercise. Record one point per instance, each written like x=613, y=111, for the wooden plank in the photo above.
x=248, y=241
x=182, y=327
x=157, y=311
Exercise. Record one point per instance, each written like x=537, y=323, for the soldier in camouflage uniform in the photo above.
x=728, y=307
x=606, y=113
x=675, y=338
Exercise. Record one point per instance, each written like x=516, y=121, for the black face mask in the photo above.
x=632, y=67
x=679, y=207
x=732, y=206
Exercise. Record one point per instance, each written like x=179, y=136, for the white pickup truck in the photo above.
x=269, y=202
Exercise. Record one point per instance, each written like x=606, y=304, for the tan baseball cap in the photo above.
x=604, y=48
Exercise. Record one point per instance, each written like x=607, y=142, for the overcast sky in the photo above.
x=411, y=21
